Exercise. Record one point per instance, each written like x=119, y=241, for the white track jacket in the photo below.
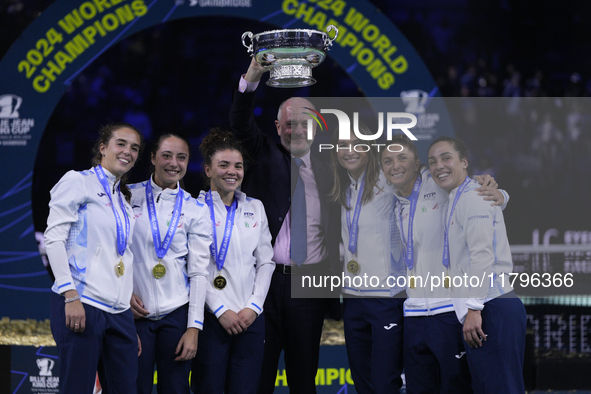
x=81, y=241
x=186, y=260
x=479, y=249
x=248, y=267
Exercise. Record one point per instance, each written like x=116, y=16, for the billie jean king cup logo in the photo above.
x=415, y=100
x=392, y=123
x=9, y=105
x=45, y=366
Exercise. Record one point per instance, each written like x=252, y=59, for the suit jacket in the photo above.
x=269, y=174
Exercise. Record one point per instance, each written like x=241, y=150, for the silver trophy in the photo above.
x=290, y=54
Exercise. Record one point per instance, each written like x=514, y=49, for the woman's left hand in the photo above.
x=491, y=194
x=248, y=316
x=187, y=347
x=472, y=330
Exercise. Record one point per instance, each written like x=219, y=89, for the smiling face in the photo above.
x=401, y=168
x=351, y=160
x=225, y=172
x=170, y=162
x=120, y=153
x=292, y=126
x=447, y=169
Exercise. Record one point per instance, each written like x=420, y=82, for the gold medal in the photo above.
x=159, y=270
x=120, y=268
x=220, y=282
x=447, y=282
x=353, y=267
x=412, y=282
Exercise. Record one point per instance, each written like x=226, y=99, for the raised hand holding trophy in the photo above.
x=290, y=54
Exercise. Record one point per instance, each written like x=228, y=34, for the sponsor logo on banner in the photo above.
x=14, y=130
x=416, y=102
x=217, y=3
x=45, y=382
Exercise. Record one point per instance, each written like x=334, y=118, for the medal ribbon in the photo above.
x=354, y=227
x=445, y=260
x=413, y=198
x=121, y=235
x=220, y=257
x=163, y=246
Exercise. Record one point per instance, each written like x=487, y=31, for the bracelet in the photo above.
x=68, y=300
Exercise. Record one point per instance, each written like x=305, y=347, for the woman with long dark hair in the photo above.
x=171, y=251
x=373, y=315
x=434, y=361
x=87, y=240
x=476, y=246
x=230, y=354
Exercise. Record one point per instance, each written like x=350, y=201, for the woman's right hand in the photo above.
x=75, y=313
x=137, y=307
x=232, y=323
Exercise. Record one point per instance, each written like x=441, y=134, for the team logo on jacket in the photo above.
x=429, y=196
x=249, y=215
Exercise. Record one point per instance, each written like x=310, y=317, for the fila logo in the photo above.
x=459, y=356
x=390, y=326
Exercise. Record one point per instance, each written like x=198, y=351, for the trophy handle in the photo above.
x=249, y=47
x=328, y=41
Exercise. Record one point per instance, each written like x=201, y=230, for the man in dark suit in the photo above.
x=292, y=324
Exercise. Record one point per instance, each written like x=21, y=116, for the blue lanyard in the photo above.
x=220, y=257
x=413, y=198
x=354, y=227
x=163, y=246
x=121, y=235
x=445, y=260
